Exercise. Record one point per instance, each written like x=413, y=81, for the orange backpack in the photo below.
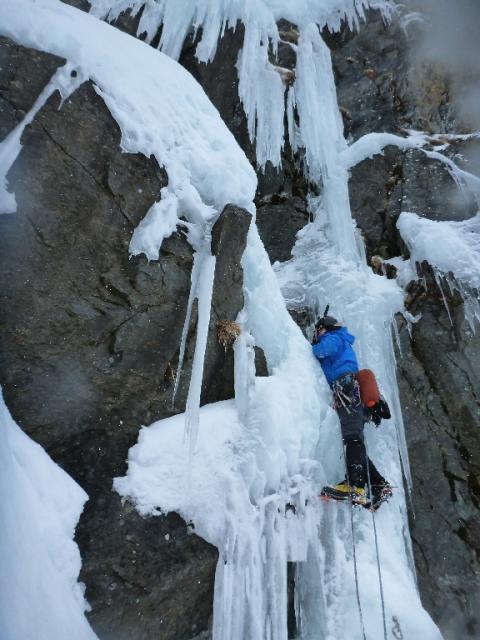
x=369, y=392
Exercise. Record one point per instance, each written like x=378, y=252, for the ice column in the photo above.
x=321, y=133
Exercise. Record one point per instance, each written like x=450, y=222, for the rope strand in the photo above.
x=380, y=581
x=355, y=571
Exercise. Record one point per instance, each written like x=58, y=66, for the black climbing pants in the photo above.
x=352, y=420
x=357, y=461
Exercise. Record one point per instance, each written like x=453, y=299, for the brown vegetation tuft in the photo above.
x=227, y=332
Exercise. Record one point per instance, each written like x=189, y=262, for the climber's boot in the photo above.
x=344, y=492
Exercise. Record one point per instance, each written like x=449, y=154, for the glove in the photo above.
x=379, y=412
x=375, y=416
x=383, y=409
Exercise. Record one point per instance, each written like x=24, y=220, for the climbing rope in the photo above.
x=380, y=581
x=354, y=547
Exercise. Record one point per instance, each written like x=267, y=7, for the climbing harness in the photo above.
x=340, y=398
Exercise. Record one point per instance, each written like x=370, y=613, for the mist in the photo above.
x=450, y=39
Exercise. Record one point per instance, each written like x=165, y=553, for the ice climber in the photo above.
x=364, y=485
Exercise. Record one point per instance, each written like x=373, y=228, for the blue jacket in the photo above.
x=334, y=350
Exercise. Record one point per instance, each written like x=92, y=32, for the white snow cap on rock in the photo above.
x=39, y=561
x=160, y=108
x=447, y=245
x=453, y=250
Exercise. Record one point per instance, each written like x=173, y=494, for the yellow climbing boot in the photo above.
x=344, y=492
x=359, y=495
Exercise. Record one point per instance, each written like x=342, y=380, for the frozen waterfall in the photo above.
x=250, y=478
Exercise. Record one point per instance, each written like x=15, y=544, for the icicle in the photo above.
x=262, y=93
x=293, y=134
x=204, y=290
x=397, y=336
x=191, y=298
x=410, y=320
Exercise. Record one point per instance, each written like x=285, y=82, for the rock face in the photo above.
x=229, y=235
x=440, y=390
x=279, y=218
x=382, y=89
x=91, y=340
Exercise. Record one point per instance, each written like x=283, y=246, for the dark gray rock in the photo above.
x=440, y=395
x=372, y=184
x=383, y=85
x=367, y=67
x=84, y=5
x=428, y=189
x=278, y=221
x=261, y=366
x=229, y=238
x=379, y=91
x=90, y=344
x=159, y=586
x=385, y=185
x=22, y=79
x=467, y=155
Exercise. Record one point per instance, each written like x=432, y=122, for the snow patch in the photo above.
x=160, y=109
x=449, y=246
x=40, y=507
x=372, y=144
x=453, y=250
